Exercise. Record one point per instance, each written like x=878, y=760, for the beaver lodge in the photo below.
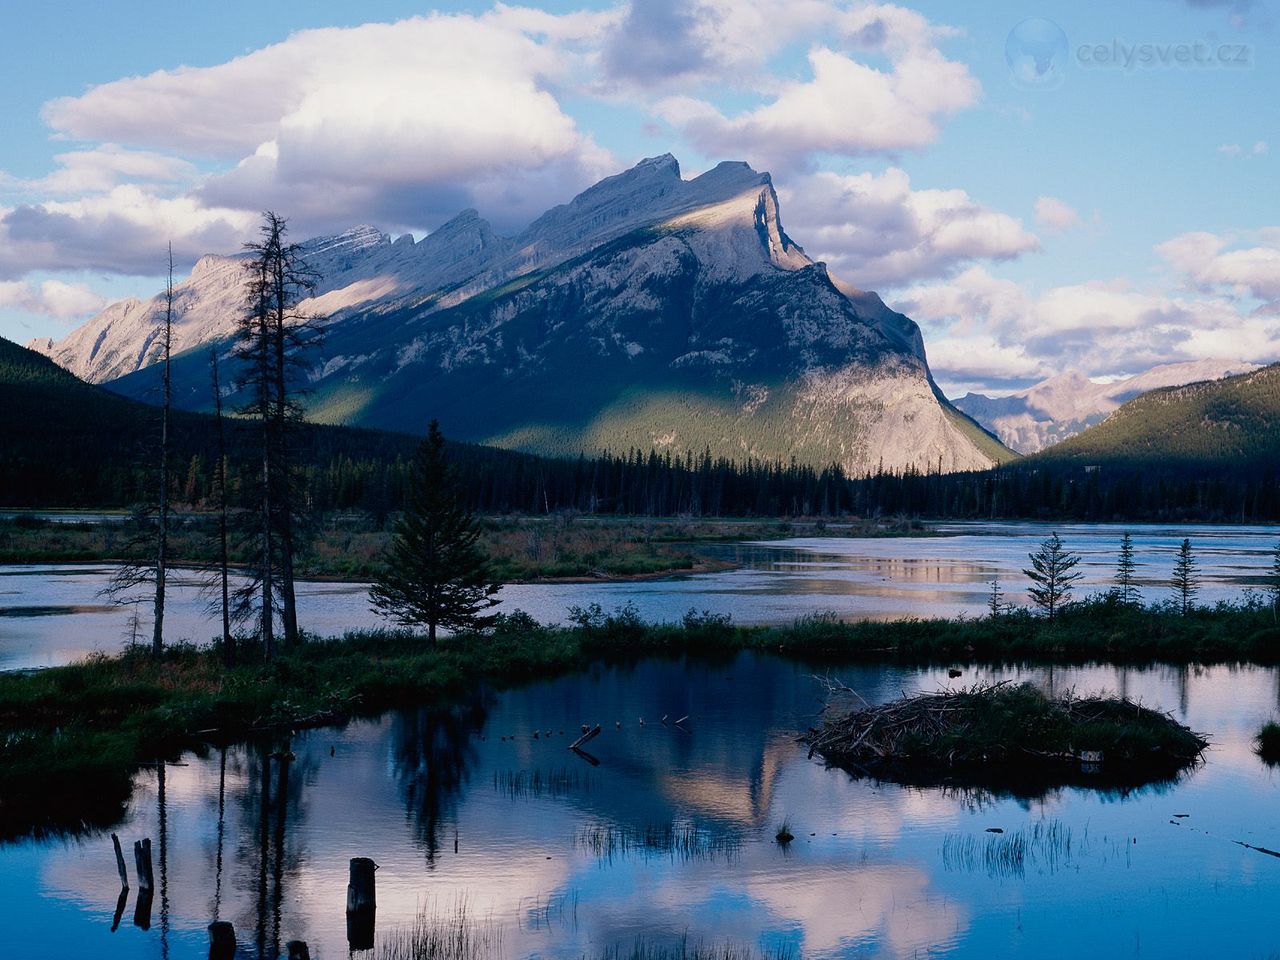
x=998, y=732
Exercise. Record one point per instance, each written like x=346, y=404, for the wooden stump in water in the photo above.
x=360, y=890
x=142, y=861
x=120, y=867
x=222, y=940
x=142, y=909
x=360, y=929
x=298, y=950
x=362, y=904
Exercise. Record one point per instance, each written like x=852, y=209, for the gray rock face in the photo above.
x=1065, y=405
x=649, y=311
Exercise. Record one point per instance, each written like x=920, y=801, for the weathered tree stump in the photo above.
x=360, y=890
x=362, y=904
x=120, y=867
x=142, y=861
x=298, y=950
x=222, y=940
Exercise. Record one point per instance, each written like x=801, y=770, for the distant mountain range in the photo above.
x=1233, y=422
x=1063, y=406
x=648, y=312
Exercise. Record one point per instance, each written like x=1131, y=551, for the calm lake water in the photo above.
x=53, y=614
x=671, y=834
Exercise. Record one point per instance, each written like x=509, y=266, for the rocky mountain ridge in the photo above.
x=648, y=312
x=1065, y=405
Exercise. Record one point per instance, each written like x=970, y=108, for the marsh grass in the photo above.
x=784, y=835
x=537, y=784
x=643, y=949
x=1267, y=743
x=456, y=934
x=1046, y=845
x=544, y=912
x=451, y=934
x=678, y=840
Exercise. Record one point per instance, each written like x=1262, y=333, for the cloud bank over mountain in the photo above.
x=511, y=109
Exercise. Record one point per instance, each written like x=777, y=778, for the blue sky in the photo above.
x=1119, y=217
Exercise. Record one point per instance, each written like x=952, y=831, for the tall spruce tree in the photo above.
x=1052, y=574
x=1186, y=577
x=1126, y=569
x=434, y=573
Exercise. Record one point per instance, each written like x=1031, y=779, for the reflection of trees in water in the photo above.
x=434, y=754
x=268, y=795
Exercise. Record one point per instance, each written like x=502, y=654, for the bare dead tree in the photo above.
x=253, y=349
x=272, y=336
x=144, y=573
x=292, y=281
x=162, y=533
x=220, y=480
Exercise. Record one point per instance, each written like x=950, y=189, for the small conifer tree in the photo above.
x=1186, y=577
x=1052, y=575
x=434, y=573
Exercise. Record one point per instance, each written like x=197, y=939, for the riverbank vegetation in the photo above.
x=562, y=546
x=98, y=720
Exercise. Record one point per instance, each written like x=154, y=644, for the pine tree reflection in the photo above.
x=434, y=753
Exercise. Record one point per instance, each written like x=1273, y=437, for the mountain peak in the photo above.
x=665, y=164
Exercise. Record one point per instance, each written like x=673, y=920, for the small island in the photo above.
x=1002, y=734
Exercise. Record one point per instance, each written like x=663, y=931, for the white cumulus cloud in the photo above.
x=1056, y=214
x=51, y=298
x=876, y=232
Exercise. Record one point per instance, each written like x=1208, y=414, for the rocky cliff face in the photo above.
x=1065, y=405
x=650, y=311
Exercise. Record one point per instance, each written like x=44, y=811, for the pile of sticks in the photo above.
x=991, y=723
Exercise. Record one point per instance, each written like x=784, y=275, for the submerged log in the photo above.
x=587, y=737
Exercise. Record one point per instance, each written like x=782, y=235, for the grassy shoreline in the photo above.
x=97, y=721
x=563, y=548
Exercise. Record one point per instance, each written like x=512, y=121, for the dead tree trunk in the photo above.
x=228, y=641
x=162, y=536
x=120, y=867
